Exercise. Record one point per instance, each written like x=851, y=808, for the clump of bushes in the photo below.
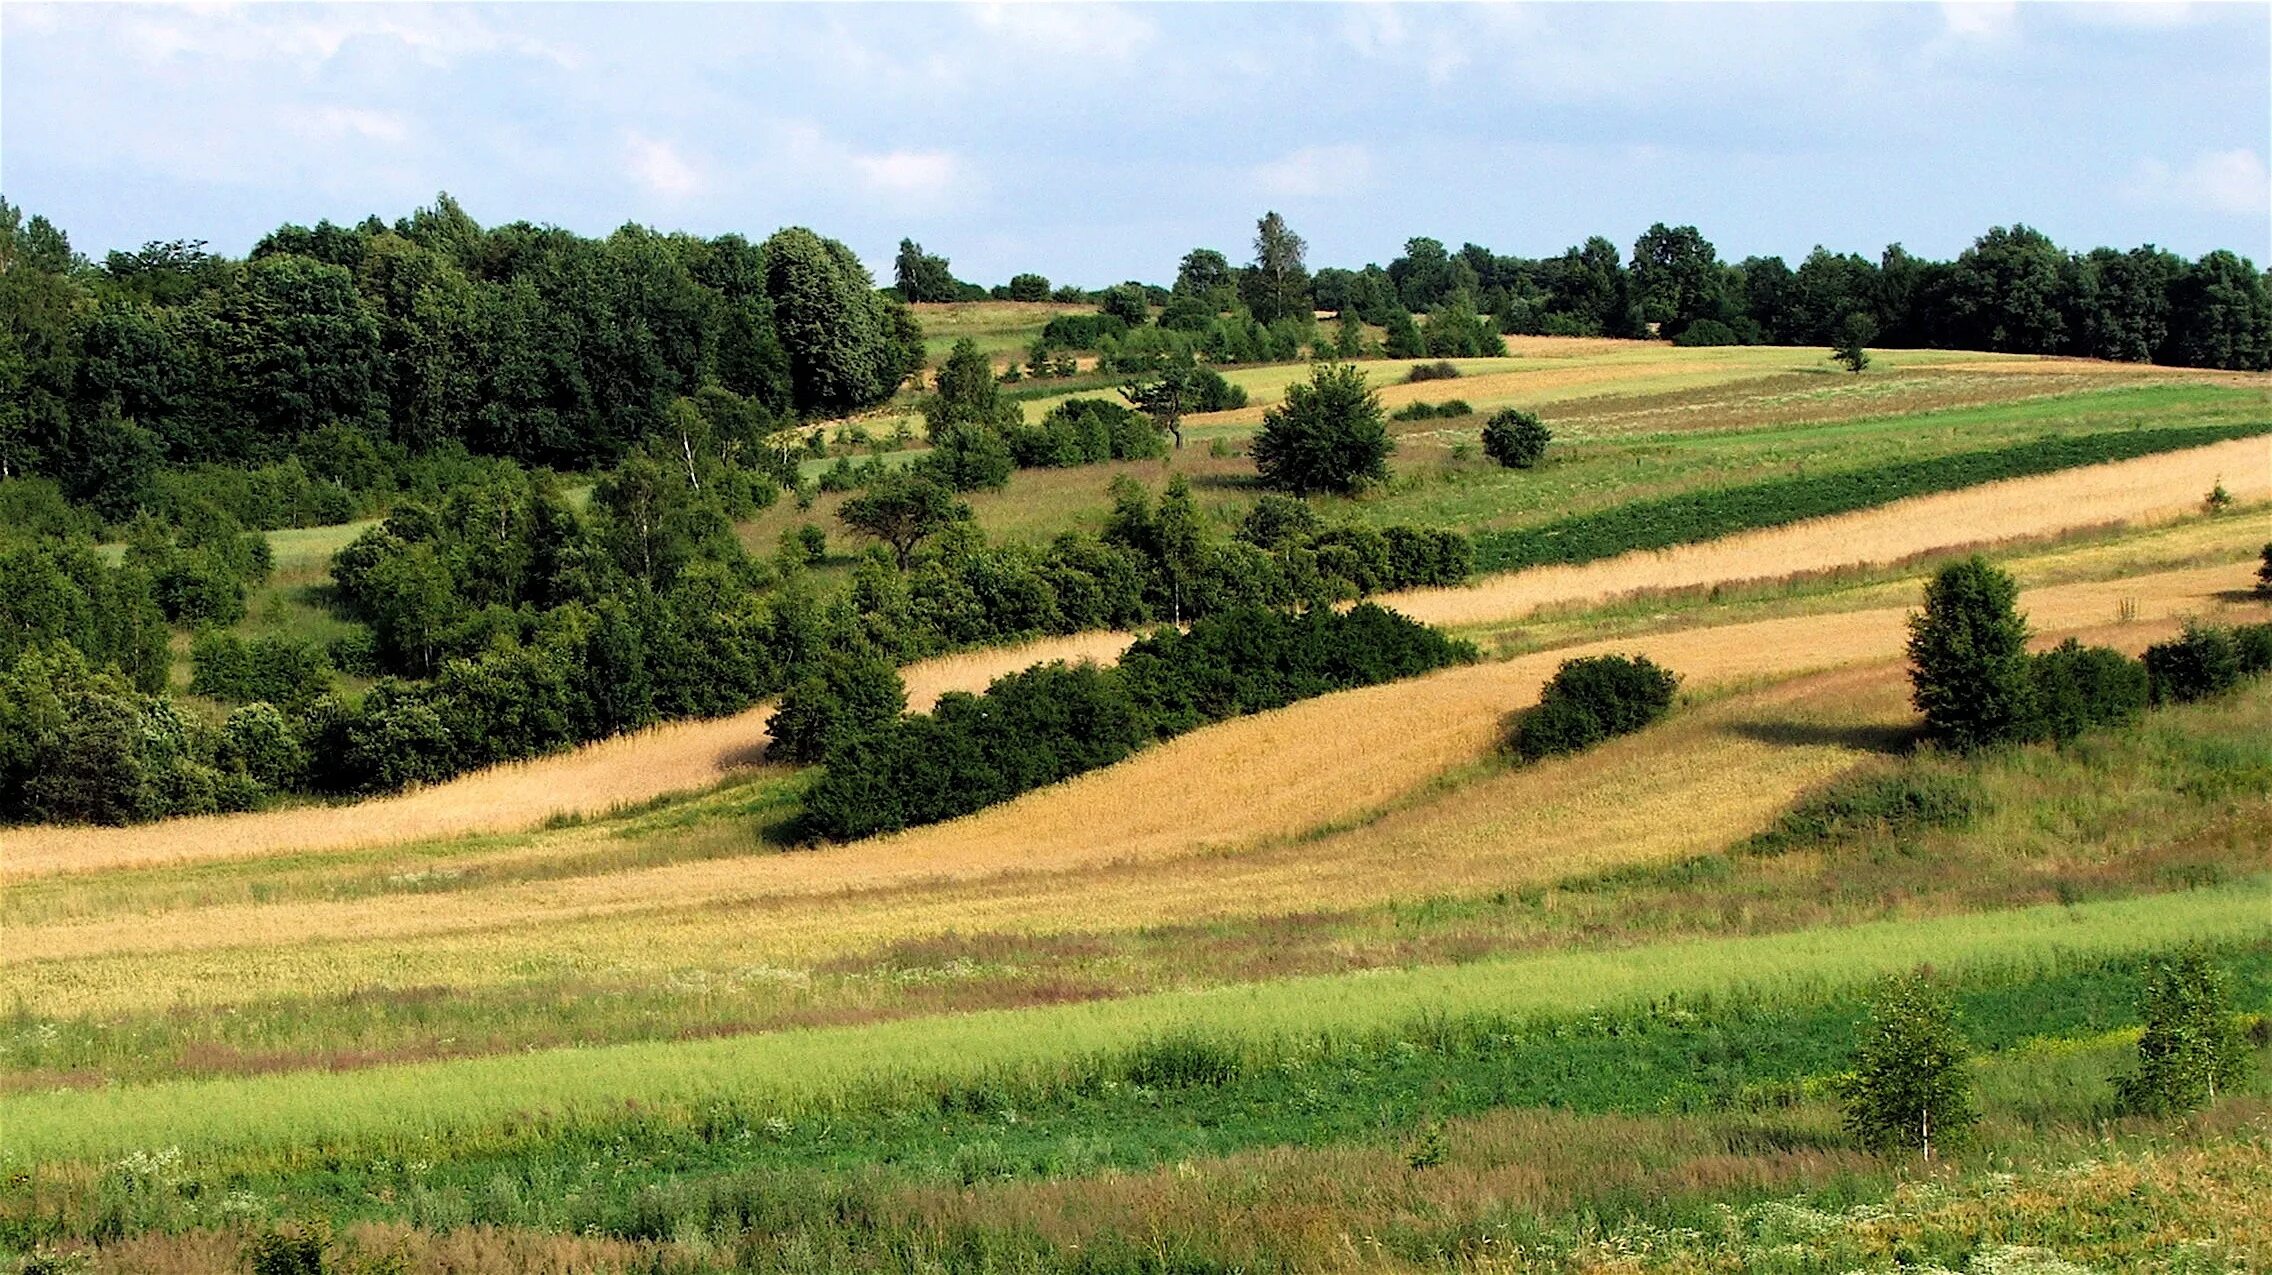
x=1082, y=331
x=1515, y=438
x=1438, y=371
x=2264, y=574
x=846, y=696
x=2206, y=662
x=1592, y=699
x=1085, y=431
x=1055, y=721
x=280, y=670
x=1433, y=411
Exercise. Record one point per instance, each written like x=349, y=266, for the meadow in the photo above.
x=1339, y=986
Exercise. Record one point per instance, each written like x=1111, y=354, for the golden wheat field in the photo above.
x=1196, y=827
x=690, y=755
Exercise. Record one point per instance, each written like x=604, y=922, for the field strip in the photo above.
x=429, y=1100
x=683, y=756
x=1277, y=774
x=2145, y=490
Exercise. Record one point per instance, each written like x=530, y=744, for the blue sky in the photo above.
x=1094, y=143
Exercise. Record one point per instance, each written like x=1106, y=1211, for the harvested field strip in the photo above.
x=800, y=1069
x=1713, y=513
x=1347, y=754
x=1778, y=401
x=623, y=771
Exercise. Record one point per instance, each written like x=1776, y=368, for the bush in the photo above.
x=1592, y=699
x=281, y=670
x=1082, y=331
x=2078, y=688
x=261, y=744
x=1210, y=392
x=1328, y=435
x=1969, y=668
x=1439, y=371
x=1707, y=332
x=2264, y=574
x=845, y=697
x=2192, y=1043
x=2202, y=663
x=1086, y=431
x=1516, y=439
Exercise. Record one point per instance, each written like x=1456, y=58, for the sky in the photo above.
x=1095, y=143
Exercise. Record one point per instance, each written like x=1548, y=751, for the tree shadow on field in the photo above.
x=1859, y=737
x=2241, y=597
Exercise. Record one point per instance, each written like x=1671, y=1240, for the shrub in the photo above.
x=848, y=695
x=2264, y=574
x=1515, y=438
x=1082, y=331
x=260, y=743
x=1439, y=371
x=1969, y=668
x=2080, y=687
x=1328, y=435
x=2252, y=645
x=1900, y=804
x=1085, y=431
x=1592, y=699
x=2202, y=663
x=281, y=670
x=1909, y=1088
x=1210, y=392
x=1707, y=332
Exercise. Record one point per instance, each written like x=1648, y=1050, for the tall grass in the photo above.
x=807, y=1069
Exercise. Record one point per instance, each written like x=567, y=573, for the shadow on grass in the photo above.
x=1892, y=741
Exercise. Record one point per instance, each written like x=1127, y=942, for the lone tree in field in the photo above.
x=2264, y=574
x=903, y=510
x=2192, y=1044
x=1515, y=438
x=1968, y=659
x=1329, y=435
x=1909, y=1089
x=1165, y=393
x=1855, y=331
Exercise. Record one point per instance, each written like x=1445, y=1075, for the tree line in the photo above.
x=341, y=348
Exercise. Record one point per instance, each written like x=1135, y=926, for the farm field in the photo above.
x=1345, y=966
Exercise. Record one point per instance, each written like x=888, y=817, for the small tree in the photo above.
x=2192, y=1043
x=1515, y=438
x=1908, y=1089
x=1329, y=435
x=1029, y=287
x=1968, y=658
x=903, y=510
x=848, y=695
x=1855, y=331
x=1171, y=388
x=2264, y=574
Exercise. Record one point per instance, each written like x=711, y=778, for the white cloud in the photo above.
x=307, y=37
x=1316, y=170
x=1986, y=21
x=908, y=174
x=1086, y=32
x=660, y=167
x=2234, y=181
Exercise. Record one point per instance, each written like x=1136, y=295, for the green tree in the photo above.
x=1968, y=658
x=1029, y=287
x=1128, y=303
x=2192, y=1043
x=1515, y=438
x=847, y=695
x=843, y=349
x=1677, y=278
x=2264, y=573
x=903, y=510
x=1403, y=340
x=1909, y=1088
x=1280, y=282
x=1855, y=331
x=921, y=276
x=1328, y=435
x=1207, y=275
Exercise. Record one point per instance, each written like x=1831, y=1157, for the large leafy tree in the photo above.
x=1329, y=435
x=845, y=350
x=903, y=510
x=1677, y=278
x=921, y=276
x=2006, y=292
x=1968, y=658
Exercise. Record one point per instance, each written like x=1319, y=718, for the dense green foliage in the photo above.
x=1709, y=514
x=1086, y=431
x=1327, y=436
x=1054, y=721
x=1969, y=668
x=330, y=346
x=2207, y=661
x=2192, y=1043
x=1909, y=1088
x=1516, y=439
x=1591, y=699
x=845, y=696
x=2080, y=688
